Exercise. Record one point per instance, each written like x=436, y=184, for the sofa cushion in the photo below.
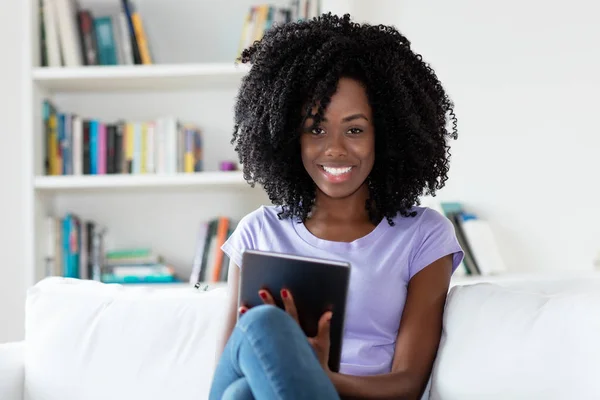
x=510, y=343
x=87, y=340
x=11, y=370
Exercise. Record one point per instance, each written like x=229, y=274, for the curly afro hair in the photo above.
x=296, y=66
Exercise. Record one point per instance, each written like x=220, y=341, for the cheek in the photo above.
x=306, y=151
x=367, y=150
x=309, y=149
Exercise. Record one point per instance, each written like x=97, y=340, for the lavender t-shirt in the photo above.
x=382, y=264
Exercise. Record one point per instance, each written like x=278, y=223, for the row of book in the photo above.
x=210, y=262
x=86, y=146
x=261, y=17
x=110, y=34
x=476, y=238
x=76, y=249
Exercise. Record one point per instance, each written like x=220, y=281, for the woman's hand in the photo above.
x=321, y=342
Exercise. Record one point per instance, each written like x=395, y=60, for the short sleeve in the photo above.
x=244, y=237
x=437, y=239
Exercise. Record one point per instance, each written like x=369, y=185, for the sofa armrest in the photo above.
x=12, y=370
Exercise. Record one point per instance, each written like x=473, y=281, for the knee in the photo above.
x=265, y=315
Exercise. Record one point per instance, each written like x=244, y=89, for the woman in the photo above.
x=345, y=127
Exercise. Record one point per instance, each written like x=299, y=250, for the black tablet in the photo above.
x=317, y=286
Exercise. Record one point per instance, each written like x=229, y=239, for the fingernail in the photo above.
x=262, y=295
x=242, y=310
x=284, y=294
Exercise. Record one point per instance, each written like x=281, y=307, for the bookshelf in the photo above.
x=193, y=78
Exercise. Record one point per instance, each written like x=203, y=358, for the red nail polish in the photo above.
x=284, y=294
x=242, y=311
x=262, y=295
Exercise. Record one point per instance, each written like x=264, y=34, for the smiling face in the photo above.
x=339, y=153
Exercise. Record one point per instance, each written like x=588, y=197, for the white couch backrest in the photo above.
x=86, y=340
x=517, y=343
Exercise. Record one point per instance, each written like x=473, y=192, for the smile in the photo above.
x=337, y=174
x=336, y=171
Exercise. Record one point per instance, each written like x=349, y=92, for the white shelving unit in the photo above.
x=194, y=79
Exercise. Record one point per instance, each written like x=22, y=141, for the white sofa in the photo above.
x=525, y=339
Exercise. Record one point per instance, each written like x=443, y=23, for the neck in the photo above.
x=348, y=209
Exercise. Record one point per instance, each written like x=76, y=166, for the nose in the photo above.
x=336, y=146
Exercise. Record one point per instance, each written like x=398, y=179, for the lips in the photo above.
x=338, y=173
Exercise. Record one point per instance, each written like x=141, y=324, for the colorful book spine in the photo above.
x=101, y=149
x=81, y=146
x=94, y=147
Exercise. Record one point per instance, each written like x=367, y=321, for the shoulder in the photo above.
x=430, y=219
x=252, y=230
x=253, y=220
x=424, y=220
x=261, y=217
x=434, y=237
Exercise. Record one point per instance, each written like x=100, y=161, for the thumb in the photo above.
x=324, y=326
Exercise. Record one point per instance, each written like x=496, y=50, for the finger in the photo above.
x=266, y=297
x=242, y=310
x=289, y=304
x=324, y=326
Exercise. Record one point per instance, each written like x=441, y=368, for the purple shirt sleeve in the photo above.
x=244, y=237
x=438, y=239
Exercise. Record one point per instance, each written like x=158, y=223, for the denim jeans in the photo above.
x=268, y=357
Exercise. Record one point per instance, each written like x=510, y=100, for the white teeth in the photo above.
x=337, y=171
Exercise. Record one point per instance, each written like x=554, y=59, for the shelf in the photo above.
x=102, y=182
x=138, y=77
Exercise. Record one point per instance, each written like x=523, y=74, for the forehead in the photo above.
x=349, y=97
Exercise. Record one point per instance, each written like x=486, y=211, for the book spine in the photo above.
x=93, y=147
x=51, y=39
x=127, y=10
x=150, y=148
x=61, y=144
x=77, y=155
x=125, y=38
x=107, y=51
x=86, y=148
x=87, y=36
x=140, y=36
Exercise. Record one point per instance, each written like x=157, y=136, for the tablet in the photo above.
x=317, y=286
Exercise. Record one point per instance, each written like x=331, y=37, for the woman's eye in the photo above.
x=355, y=131
x=317, y=131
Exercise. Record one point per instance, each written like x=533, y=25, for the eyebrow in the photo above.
x=350, y=117
x=355, y=116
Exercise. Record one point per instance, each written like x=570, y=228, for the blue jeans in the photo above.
x=268, y=357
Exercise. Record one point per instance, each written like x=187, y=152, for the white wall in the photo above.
x=12, y=278
x=524, y=76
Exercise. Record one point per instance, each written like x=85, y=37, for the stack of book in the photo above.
x=136, y=266
x=108, y=35
x=89, y=146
